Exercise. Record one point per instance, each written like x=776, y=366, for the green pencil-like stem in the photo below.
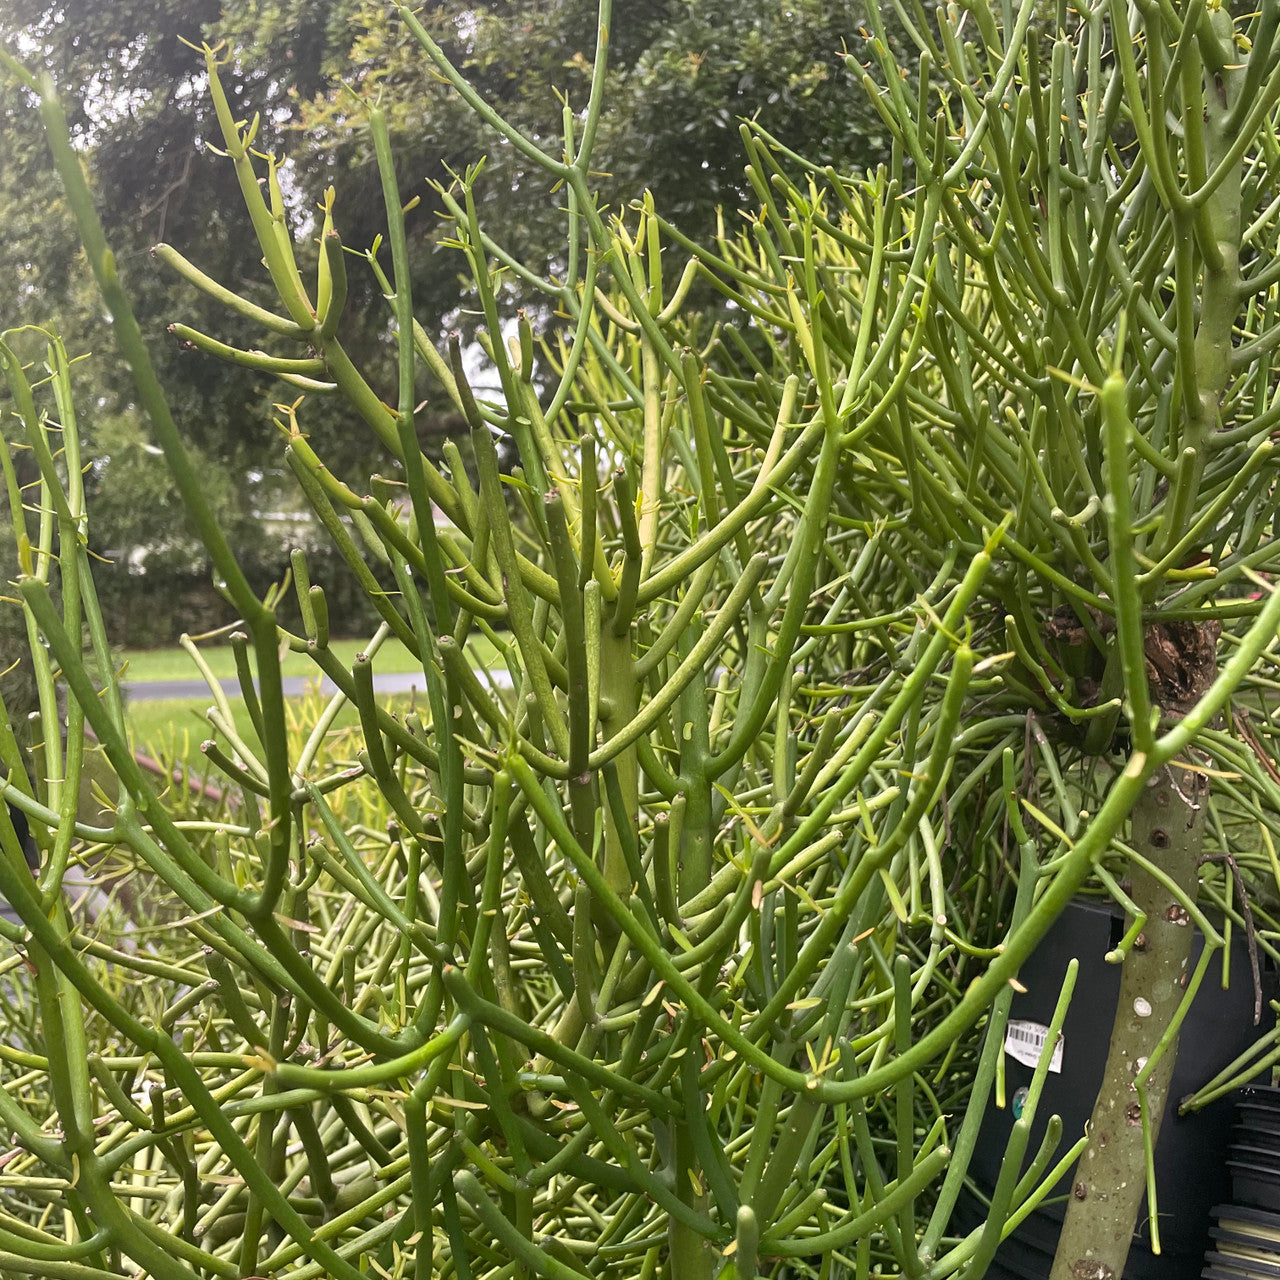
x=755, y=659
x=1169, y=824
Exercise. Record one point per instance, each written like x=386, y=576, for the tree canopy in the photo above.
x=682, y=75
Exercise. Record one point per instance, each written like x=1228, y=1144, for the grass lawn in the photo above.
x=175, y=664
x=173, y=729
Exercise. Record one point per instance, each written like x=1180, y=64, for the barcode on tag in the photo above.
x=1023, y=1042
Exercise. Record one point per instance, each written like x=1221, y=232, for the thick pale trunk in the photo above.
x=1110, y=1181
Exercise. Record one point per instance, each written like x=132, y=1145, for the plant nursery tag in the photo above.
x=1023, y=1042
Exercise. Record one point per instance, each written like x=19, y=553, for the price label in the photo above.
x=1024, y=1041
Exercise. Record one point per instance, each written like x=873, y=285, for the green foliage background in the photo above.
x=682, y=74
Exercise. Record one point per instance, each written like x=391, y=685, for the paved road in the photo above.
x=294, y=686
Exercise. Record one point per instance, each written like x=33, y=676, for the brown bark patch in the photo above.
x=1182, y=660
x=1180, y=656
x=1091, y=1269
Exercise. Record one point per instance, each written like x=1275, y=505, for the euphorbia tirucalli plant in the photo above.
x=624, y=970
x=1091, y=195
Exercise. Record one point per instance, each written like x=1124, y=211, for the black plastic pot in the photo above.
x=1242, y=1243
x=1191, y=1155
x=1237, y=1265
x=1255, y=1179
x=1256, y=1138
